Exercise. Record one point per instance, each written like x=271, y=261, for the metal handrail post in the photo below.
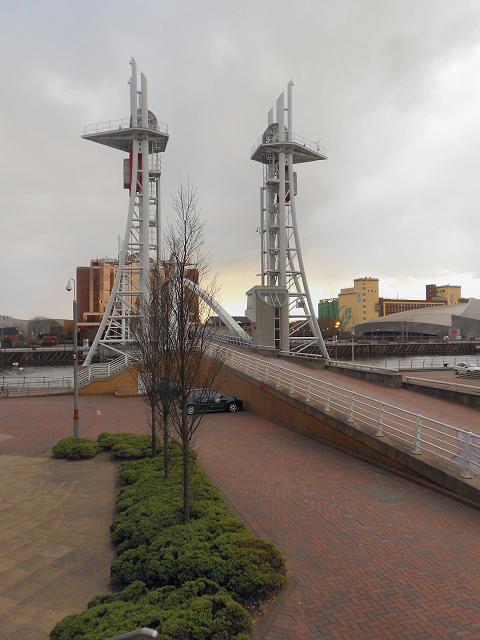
x=327, y=398
x=291, y=382
x=379, y=432
x=416, y=439
x=350, y=408
x=309, y=387
x=465, y=472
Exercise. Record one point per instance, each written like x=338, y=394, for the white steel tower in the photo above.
x=143, y=138
x=281, y=258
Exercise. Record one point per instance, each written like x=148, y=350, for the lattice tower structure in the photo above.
x=143, y=138
x=281, y=263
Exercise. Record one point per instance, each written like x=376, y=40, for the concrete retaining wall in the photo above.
x=392, y=380
x=461, y=397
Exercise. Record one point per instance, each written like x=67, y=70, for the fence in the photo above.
x=37, y=386
x=419, y=432
x=426, y=363
x=28, y=386
x=105, y=370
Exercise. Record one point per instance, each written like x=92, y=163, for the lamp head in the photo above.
x=69, y=287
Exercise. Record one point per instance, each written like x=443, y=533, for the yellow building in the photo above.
x=358, y=303
x=452, y=294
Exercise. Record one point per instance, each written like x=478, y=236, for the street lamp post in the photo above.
x=75, y=359
x=353, y=347
x=337, y=326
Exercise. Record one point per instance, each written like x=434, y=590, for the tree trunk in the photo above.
x=166, y=453
x=186, y=471
x=154, y=435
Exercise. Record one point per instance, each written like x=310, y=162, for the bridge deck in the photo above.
x=449, y=412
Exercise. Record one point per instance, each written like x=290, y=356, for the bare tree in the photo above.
x=194, y=359
x=39, y=324
x=152, y=335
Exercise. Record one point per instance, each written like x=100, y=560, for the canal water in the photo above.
x=42, y=371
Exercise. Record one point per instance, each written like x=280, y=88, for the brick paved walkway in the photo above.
x=369, y=555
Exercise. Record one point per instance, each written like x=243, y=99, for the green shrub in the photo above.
x=127, y=446
x=155, y=546
x=75, y=448
x=198, y=610
x=180, y=578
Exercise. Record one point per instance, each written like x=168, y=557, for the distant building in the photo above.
x=461, y=321
x=358, y=303
x=361, y=303
x=395, y=305
x=451, y=294
x=328, y=308
x=94, y=284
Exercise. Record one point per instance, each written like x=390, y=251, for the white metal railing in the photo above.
x=454, y=386
x=112, y=125
x=228, y=336
x=418, y=432
x=86, y=374
x=303, y=142
x=22, y=385
x=426, y=363
x=344, y=364
x=105, y=370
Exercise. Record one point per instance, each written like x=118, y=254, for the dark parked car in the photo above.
x=211, y=400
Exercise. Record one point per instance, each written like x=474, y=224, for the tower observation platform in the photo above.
x=302, y=150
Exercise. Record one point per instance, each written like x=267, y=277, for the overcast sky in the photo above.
x=390, y=87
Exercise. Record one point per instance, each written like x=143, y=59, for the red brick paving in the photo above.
x=369, y=554
x=402, y=566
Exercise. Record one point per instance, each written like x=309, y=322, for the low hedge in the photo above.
x=198, y=610
x=181, y=578
x=75, y=448
x=127, y=446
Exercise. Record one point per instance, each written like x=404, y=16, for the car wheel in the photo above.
x=190, y=409
x=232, y=407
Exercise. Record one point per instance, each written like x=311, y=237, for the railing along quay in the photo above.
x=443, y=384
x=33, y=386
x=22, y=386
x=418, y=432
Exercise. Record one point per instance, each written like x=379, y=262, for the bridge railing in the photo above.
x=419, y=432
x=105, y=370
